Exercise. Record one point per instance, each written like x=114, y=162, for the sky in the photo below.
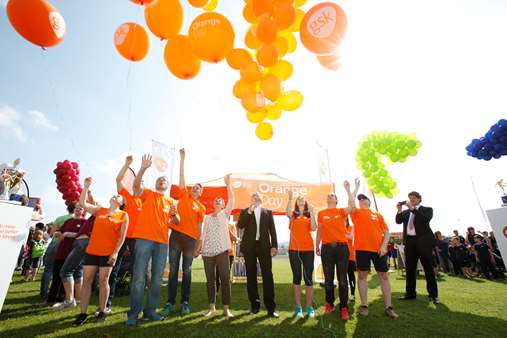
x=435, y=67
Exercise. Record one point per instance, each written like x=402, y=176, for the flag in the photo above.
x=162, y=161
x=324, y=170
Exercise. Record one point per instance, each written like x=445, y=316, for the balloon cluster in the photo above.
x=262, y=68
x=396, y=147
x=38, y=21
x=67, y=180
x=492, y=145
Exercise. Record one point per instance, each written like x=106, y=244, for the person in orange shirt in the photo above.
x=133, y=208
x=351, y=272
x=332, y=233
x=183, y=242
x=106, y=239
x=371, y=236
x=301, y=252
x=151, y=232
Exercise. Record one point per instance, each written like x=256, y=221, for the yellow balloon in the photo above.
x=283, y=46
x=256, y=117
x=212, y=5
x=264, y=131
x=300, y=14
x=272, y=112
x=300, y=3
x=290, y=100
x=282, y=70
x=292, y=43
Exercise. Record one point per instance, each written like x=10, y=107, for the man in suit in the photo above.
x=259, y=243
x=419, y=242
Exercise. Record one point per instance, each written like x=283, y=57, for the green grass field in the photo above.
x=476, y=308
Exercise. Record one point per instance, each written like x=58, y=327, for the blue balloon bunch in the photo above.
x=492, y=145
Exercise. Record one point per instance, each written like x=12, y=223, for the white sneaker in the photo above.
x=64, y=305
x=107, y=311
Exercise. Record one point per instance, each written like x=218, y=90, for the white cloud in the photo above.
x=39, y=120
x=10, y=123
x=3, y=3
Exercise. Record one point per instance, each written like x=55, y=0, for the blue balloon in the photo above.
x=492, y=145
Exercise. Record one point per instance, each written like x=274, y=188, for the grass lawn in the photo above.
x=474, y=308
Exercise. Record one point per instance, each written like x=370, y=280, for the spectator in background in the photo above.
x=392, y=253
x=460, y=255
x=496, y=252
x=37, y=249
x=461, y=238
x=485, y=258
x=471, y=235
x=443, y=252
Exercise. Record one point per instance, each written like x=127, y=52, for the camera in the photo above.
x=402, y=203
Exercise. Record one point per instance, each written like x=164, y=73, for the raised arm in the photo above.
x=123, y=232
x=289, y=203
x=351, y=195
x=313, y=224
x=92, y=209
x=121, y=173
x=230, y=195
x=145, y=164
x=182, y=169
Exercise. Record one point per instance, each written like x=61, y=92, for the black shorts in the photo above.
x=364, y=259
x=100, y=261
x=35, y=262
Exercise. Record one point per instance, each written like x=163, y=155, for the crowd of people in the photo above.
x=147, y=227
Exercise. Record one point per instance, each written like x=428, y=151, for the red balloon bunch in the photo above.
x=67, y=180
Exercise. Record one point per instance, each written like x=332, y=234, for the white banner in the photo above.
x=163, y=161
x=14, y=225
x=498, y=221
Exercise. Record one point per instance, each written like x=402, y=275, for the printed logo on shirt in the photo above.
x=374, y=217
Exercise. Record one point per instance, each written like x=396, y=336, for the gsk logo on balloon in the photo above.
x=121, y=34
x=322, y=22
x=57, y=24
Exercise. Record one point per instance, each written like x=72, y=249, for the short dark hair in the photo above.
x=39, y=226
x=415, y=194
x=71, y=207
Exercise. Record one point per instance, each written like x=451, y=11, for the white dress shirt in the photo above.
x=257, y=214
x=410, y=225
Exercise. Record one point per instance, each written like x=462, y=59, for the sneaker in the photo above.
x=298, y=313
x=64, y=305
x=310, y=312
x=107, y=311
x=363, y=310
x=228, y=314
x=390, y=313
x=80, y=319
x=101, y=317
x=344, y=313
x=329, y=308
x=352, y=298
x=153, y=317
x=185, y=309
x=131, y=322
x=167, y=310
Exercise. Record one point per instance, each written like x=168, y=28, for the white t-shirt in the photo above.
x=215, y=235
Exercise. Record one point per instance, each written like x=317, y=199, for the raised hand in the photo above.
x=346, y=185
x=182, y=153
x=87, y=182
x=227, y=179
x=129, y=160
x=357, y=182
x=146, y=161
x=291, y=194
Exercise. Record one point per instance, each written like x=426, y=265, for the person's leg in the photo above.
x=72, y=262
x=56, y=283
x=308, y=263
x=114, y=274
x=86, y=291
x=362, y=284
x=380, y=263
x=47, y=275
x=268, y=287
x=174, y=267
x=251, y=280
x=342, y=267
x=158, y=261
x=328, y=266
x=411, y=258
x=425, y=254
x=210, y=270
x=222, y=262
x=104, y=274
x=217, y=279
x=352, y=277
x=295, y=265
x=141, y=258
x=188, y=258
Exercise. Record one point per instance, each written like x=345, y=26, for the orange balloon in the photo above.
x=164, y=18
x=282, y=45
x=267, y=55
x=266, y=30
x=179, y=58
x=211, y=36
x=284, y=15
x=131, y=41
x=251, y=40
x=323, y=28
x=271, y=87
x=198, y=3
x=262, y=7
x=253, y=101
x=37, y=21
x=251, y=72
x=142, y=2
x=241, y=87
x=331, y=62
x=277, y=3
x=238, y=57
x=249, y=14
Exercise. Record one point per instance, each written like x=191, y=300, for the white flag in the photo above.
x=323, y=161
x=163, y=161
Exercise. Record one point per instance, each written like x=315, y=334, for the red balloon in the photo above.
x=75, y=165
x=59, y=164
x=66, y=164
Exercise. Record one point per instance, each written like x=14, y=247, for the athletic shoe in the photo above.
x=101, y=317
x=352, y=298
x=298, y=313
x=390, y=313
x=131, y=322
x=363, y=310
x=344, y=313
x=80, y=319
x=329, y=308
x=167, y=310
x=64, y=305
x=310, y=312
x=106, y=311
x=185, y=309
x=153, y=317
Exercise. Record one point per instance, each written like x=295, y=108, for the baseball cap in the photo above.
x=362, y=197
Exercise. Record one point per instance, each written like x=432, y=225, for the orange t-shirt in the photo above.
x=133, y=206
x=232, y=229
x=350, y=244
x=191, y=213
x=300, y=234
x=332, y=225
x=105, y=233
x=154, y=219
x=369, y=228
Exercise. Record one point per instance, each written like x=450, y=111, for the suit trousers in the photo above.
x=420, y=249
x=264, y=257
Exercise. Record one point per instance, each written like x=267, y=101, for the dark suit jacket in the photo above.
x=422, y=219
x=267, y=230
